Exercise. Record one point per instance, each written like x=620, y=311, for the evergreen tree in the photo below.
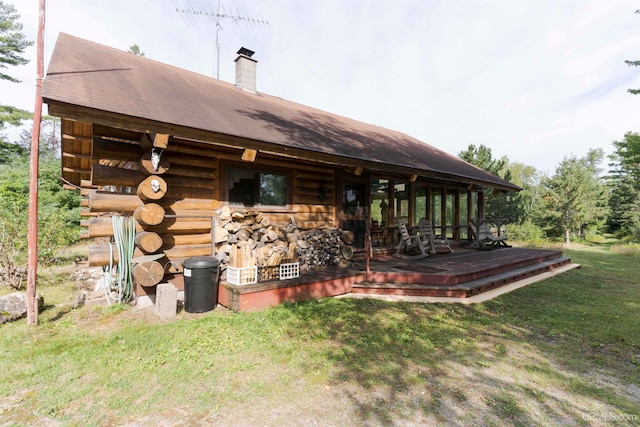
x=12, y=46
x=507, y=205
x=482, y=157
x=12, y=42
x=135, y=49
x=575, y=197
x=624, y=179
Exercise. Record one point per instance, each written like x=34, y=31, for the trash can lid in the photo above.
x=201, y=262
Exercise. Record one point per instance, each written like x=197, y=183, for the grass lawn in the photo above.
x=565, y=351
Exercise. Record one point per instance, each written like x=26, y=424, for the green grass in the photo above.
x=563, y=349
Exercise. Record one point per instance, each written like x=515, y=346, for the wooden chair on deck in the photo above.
x=410, y=246
x=437, y=244
x=485, y=237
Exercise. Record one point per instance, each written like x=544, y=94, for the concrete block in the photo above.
x=166, y=300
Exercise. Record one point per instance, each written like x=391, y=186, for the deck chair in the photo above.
x=410, y=246
x=436, y=244
x=486, y=239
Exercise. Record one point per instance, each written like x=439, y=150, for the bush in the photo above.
x=527, y=232
x=58, y=216
x=12, y=253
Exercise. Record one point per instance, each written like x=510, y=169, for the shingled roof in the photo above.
x=90, y=75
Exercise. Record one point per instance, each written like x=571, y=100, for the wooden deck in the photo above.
x=461, y=274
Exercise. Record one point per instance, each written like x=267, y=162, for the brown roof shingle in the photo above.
x=95, y=76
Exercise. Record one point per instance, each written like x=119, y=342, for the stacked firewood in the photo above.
x=320, y=248
x=248, y=239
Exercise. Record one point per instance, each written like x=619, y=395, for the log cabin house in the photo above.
x=203, y=165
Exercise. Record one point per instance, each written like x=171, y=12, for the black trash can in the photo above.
x=201, y=275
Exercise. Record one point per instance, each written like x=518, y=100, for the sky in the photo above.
x=534, y=81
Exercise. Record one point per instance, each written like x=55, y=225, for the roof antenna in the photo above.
x=219, y=15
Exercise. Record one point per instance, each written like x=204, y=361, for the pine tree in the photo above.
x=12, y=46
x=575, y=197
x=624, y=179
x=511, y=205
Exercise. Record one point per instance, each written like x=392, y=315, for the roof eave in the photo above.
x=139, y=124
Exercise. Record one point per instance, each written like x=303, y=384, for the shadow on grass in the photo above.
x=411, y=362
x=525, y=358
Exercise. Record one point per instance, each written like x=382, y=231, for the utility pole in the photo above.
x=32, y=237
x=218, y=16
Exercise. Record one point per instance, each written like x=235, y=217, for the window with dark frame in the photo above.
x=254, y=187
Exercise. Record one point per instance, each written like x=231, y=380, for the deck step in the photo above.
x=461, y=290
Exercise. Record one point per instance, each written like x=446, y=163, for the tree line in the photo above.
x=581, y=198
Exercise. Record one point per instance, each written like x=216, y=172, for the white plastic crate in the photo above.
x=290, y=270
x=242, y=276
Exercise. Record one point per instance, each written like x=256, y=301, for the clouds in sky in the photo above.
x=532, y=80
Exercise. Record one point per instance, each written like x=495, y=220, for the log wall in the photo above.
x=175, y=199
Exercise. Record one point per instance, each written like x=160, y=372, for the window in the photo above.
x=401, y=201
x=464, y=216
x=380, y=201
x=421, y=198
x=250, y=187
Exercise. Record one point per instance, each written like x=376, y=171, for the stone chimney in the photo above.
x=246, y=70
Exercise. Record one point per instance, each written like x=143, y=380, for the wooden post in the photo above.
x=32, y=238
